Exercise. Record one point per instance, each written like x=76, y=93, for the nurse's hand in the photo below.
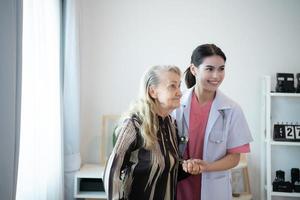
x=191, y=166
x=202, y=165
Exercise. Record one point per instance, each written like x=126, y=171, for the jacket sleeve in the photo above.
x=118, y=160
x=239, y=133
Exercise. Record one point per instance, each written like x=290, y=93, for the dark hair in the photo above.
x=199, y=54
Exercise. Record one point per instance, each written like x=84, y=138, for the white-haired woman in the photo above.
x=144, y=162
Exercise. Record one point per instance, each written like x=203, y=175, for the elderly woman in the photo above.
x=144, y=162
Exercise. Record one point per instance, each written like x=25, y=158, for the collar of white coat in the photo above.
x=219, y=104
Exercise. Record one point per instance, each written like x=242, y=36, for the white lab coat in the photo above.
x=226, y=128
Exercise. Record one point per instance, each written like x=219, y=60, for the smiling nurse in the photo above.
x=215, y=126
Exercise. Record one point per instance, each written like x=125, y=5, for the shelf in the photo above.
x=279, y=143
x=91, y=195
x=285, y=143
x=276, y=94
x=285, y=194
x=88, y=171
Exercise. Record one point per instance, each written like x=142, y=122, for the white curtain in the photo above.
x=71, y=89
x=40, y=175
x=10, y=94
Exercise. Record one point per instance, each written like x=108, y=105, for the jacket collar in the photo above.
x=186, y=105
x=219, y=104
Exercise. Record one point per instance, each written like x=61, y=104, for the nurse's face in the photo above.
x=210, y=74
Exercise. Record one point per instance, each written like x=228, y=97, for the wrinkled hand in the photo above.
x=194, y=166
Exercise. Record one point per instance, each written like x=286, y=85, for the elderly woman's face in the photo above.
x=167, y=93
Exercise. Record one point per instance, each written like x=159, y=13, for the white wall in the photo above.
x=120, y=39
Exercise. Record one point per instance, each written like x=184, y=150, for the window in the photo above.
x=40, y=172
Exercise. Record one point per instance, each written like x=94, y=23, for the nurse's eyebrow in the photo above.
x=214, y=66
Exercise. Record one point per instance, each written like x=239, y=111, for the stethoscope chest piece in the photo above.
x=184, y=139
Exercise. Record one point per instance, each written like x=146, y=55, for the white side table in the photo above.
x=89, y=171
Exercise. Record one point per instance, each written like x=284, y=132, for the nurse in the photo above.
x=212, y=129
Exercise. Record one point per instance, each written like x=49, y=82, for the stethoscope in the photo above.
x=183, y=138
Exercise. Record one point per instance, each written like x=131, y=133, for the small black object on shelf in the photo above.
x=280, y=176
x=286, y=132
x=295, y=176
x=285, y=83
x=298, y=82
x=297, y=186
x=280, y=185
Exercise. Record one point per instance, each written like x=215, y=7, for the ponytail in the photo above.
x=190, y=79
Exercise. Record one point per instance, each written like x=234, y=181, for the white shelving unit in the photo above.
x=88, y=171
x=282, y=108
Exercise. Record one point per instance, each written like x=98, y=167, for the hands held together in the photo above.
x=194, y=166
